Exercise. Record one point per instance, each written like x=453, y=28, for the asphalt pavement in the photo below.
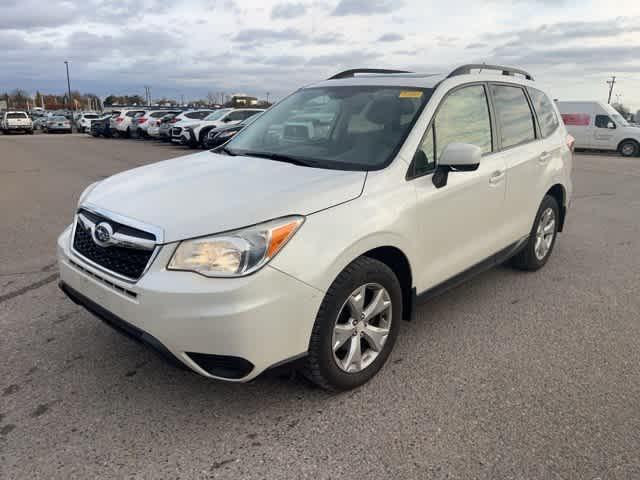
x=510, y=376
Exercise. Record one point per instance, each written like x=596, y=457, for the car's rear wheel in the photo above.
x=629, y=148
x=356, y=326
x=542, y=238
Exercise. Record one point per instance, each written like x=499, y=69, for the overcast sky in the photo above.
x=192, y=47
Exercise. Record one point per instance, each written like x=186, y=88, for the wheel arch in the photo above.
x=397, y=261
x=558, y=192
x=628, y=139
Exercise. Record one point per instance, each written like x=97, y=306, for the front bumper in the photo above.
x=263, y=319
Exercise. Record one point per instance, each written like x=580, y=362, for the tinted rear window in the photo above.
x=17, y=115
x=514, y=115
x=158, y=114
x=197, y=115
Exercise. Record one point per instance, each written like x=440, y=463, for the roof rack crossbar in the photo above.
x=353, y=72
x=508, y=71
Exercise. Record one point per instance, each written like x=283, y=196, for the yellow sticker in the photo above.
x=410, y=94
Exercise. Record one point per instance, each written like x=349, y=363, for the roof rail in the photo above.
x=352, y=73
x=508, y=71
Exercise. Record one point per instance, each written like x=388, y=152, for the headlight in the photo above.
x=235, y=254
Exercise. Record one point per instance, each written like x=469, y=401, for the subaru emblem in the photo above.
x=102, y=234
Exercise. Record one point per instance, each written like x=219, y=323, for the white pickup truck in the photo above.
x=16, y=122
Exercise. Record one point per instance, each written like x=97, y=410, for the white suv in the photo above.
x=312, y=233
x=195, y=133
x=123, y=124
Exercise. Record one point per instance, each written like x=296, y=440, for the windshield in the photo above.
x=91, y=116
x=620, y=120
x=58, y=119
x=217, y=114
x=16, y=115
x=348, y=128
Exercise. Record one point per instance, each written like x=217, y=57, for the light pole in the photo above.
x=69, y=84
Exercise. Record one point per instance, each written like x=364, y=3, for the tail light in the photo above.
x=119, y=119
x=142, y=120
x=571, y=143
x=173, y=120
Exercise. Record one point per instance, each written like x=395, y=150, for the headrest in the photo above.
x=385, y=110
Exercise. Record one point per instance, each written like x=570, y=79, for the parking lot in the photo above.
x=511, y=375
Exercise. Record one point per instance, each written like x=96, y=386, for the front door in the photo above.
x=460, y=223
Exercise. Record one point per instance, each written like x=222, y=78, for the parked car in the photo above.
x=218, y=136
x=149, y=119
x=58, y=123
x=313, y=244
x=14, y=121
x=123, y=123
x=183, y=118
x=154, y=129
x=194, y=134
x=39, y=123
x=599, y=126
x=101, y=127
x=83, y=123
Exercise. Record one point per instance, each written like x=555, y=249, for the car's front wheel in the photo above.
x=356, y=326
x=542, y=238
x=629, y=148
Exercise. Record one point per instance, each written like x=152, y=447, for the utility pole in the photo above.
x=611, y=83
x=69, y=85
x=267, y=97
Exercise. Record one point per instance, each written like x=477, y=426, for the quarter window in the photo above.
x=463, y=117
x=514, y=115
x=547, y=118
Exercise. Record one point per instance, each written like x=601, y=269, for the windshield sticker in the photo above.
x=411, y=94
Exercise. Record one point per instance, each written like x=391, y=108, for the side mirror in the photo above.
x=461, y=156
x=611, y=126
x=456, y=157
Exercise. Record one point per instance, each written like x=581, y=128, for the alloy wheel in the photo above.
x=362, y=328
x=545, y=233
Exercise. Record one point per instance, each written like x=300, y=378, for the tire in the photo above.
x=203, y=138
x=327, y=369
x=30, y=132
x=529, y=258
x=629, y=148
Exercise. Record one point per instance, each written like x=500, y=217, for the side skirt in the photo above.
x=484, y=265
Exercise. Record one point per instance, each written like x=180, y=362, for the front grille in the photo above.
x=175, y=131
x=128, y=262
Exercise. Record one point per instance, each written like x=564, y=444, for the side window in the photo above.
x=514, y=115
x=235, y=116
x=427, y=162
x=547, y=118
x=603, y=121
x=463, y=117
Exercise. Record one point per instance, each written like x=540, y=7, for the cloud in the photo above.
x=288, y=10
x=257, y=35
x=475, y=45
x=365, y=7
x=391, y=37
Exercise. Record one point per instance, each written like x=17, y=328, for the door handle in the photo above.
x=496, y=177
x=545, y=157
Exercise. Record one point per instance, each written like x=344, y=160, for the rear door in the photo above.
x=524, y=154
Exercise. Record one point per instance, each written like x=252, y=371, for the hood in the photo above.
x=207, y=193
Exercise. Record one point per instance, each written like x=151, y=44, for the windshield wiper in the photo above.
x=227, y=151
x=279, y=157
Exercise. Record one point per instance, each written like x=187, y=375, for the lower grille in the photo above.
x=175, y=131
x=127, y=262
